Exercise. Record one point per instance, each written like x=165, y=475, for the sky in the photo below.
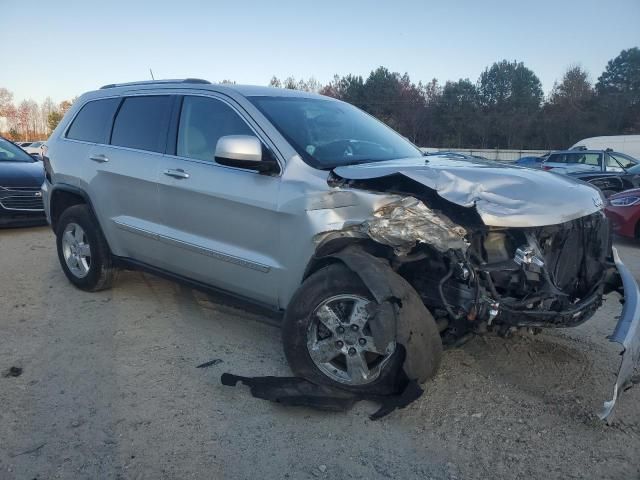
x=62, y=48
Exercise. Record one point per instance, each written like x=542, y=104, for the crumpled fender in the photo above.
x=626, y=333
x=399, y=307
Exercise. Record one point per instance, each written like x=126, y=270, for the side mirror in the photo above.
x=244, y=151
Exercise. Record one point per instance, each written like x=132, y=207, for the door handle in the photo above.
x=99, y=158
x=177, y=173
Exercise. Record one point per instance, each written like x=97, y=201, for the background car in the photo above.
x=611, y=182
x=34, y=148
x=531, y=162
x=456, y=155
x=623, y=209
x=628, y=144
x=582, y=160
x=21, y=177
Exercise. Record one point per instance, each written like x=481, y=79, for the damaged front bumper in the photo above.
x=626, y=333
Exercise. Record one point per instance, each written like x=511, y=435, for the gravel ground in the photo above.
x=109, y=389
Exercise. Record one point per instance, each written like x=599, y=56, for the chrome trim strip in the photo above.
x=242, y=262
x=22, y=209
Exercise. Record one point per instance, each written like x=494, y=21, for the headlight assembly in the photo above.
x=624, y=201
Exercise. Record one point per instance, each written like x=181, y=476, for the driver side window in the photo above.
x=203, y=121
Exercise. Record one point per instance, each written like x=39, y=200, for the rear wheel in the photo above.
x=328, y=338
x=82, y=250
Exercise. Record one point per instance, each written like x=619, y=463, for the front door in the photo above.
x=220, y=223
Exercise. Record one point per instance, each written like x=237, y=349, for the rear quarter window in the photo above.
x=93, y=122
x=142, y=123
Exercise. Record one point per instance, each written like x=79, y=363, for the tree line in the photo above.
x=29, y=120
x=504, y=108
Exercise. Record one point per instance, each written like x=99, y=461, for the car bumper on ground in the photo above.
x=626, y=333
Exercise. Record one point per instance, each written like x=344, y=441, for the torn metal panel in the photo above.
x=626, y=333
x=407, y=222
x=503, y=195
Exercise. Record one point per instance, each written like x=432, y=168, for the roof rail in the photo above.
x=156, y=82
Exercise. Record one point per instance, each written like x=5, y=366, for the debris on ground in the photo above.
x=13, y=372
x=294, y=391
x=210, y=363
x=28, y=451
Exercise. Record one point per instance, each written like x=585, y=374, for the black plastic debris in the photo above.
x=13, y=372
x=397, y=307
x=210, y=363
x=298, y=392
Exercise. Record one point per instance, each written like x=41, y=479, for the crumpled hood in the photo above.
x=503, y=195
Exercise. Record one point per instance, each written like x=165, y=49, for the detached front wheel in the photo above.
x=328, y=337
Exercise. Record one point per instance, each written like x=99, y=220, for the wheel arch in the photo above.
x=324, y=254
x=64, y=196
x=415, y=327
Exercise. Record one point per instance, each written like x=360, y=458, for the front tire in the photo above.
x=83, y=251
x=328, y=338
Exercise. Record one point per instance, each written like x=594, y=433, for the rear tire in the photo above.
x=83, y=251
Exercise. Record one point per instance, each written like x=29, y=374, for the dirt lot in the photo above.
x=110, y=390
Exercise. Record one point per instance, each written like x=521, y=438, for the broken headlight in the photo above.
x=407, y=222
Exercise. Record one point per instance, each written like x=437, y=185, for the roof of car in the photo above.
x=576, y=150
x=244, y=90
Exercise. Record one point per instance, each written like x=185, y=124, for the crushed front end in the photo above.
x=552, y=276
x=476, y=275
x=532, y=277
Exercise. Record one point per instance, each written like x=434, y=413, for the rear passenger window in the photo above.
x=93, y=122
x=142, y=123
x=202, y=122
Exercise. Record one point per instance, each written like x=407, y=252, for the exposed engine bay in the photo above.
x=473, y=277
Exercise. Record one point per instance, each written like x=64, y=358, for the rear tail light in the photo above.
x=546, y=167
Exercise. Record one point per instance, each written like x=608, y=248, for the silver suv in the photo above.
x=374, y=253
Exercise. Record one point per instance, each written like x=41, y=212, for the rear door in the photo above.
x=221, y=223
x=125, y=188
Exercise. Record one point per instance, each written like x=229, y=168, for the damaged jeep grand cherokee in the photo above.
x=376, y=254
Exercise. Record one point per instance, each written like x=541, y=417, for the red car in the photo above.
x=623, y=209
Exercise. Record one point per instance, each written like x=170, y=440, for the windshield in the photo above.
x=624, y=162
x=10, y=153
x=328, y=134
